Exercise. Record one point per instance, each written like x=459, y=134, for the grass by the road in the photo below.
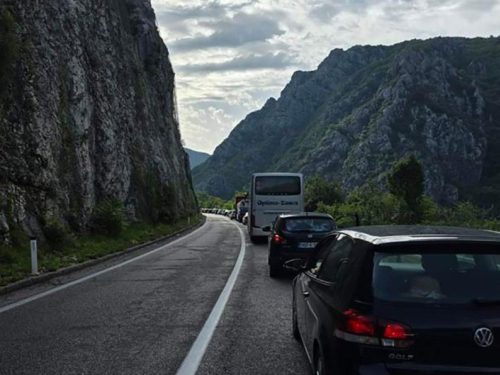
x=15, y=263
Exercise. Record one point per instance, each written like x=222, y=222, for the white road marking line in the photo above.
x=83, y=279
x=192, y=361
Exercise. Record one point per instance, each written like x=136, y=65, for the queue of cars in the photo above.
x=220, y=211
x=241, y=214
x=382, y=300
x=391, y=300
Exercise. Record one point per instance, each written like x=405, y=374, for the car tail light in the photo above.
x=363, y=329
x=278, y=239
x=395, y=331
x=359, y=324
x=396, y=335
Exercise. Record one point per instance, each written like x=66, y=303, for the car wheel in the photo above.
x=295, y=329
x=319, y=364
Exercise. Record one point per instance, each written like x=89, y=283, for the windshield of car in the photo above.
x=316, y=225
x=437, y=278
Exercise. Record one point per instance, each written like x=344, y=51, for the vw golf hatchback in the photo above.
x=401, y=300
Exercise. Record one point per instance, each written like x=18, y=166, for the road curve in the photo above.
x=143, y=317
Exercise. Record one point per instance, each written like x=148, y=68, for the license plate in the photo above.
x=307, y=245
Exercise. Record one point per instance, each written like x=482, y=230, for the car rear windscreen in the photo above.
x=314, y=225
x=437, y=278
x=277, y=185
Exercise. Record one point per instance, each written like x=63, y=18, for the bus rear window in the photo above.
x=277, y=185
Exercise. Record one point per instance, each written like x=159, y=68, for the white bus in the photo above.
x=272, y=194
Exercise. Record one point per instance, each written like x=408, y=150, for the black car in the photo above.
x=296, y=236
x=401, y=300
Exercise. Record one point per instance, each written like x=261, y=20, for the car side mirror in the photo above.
x=295, y=265
x=266, y=229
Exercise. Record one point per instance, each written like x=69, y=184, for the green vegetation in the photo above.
x=65, y=250
x=207, y=201
x=109, y=218
x=406, y=183
x=319, y=189
x=56, y=234
x=405, y=203
x=377, y=208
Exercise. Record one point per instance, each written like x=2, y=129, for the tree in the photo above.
x=319, y=189
x=207, y=201
x=406, y=182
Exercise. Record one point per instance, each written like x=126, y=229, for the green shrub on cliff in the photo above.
x=56, y=234
x=108, y=218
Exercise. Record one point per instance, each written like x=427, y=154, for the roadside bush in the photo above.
x=18, y=237
x=166, y=211
x=6, y=256
x=429, y=210
x=56, y=234
x=374, y=207
x=319, y=189
x=108, y=218
x=208, y=201
x=466, y=214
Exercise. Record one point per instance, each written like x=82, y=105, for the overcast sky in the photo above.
x=231, y=56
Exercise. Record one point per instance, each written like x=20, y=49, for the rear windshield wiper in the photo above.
x=486, y=301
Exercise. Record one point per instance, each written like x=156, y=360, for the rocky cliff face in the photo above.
x=87, y=112
x=367, y=107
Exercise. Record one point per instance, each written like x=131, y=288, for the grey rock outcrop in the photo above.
x=89, y=114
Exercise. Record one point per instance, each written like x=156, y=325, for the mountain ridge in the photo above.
x=369, y=106
x=196, y=157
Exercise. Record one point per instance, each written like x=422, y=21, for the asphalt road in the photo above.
x=143, y=317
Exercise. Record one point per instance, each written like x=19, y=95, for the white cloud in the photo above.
x=243, y=63
x=230, y=55
x=207, y=126
x=232, y=32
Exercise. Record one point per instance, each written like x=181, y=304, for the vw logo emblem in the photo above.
x=484, y=337
x=309, y=236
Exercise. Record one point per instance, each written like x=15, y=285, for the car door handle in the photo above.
x=305, y=294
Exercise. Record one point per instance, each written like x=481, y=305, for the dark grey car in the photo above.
x=296, y=236
x=401, y=300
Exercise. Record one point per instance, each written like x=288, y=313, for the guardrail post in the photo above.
x=34, y=256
